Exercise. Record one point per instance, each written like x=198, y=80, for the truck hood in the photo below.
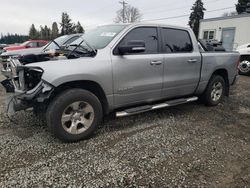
x=60, y=71
x=23, y=52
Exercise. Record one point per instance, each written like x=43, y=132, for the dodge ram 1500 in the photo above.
x=125, y=69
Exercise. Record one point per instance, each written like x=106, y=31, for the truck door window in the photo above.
x=176, y=41
x=147, y=34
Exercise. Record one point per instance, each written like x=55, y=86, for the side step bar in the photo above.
x=141, y=109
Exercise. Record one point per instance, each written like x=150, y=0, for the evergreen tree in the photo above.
x=33, y=33
x=13, y=38
x=55, y=31
x=196, y=15
x=242, y=6
x=73, y=29
x=42, y=32
x=47, y=32
x=79, y=28
x=67, y=27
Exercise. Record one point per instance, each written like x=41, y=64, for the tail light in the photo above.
x=238, y=64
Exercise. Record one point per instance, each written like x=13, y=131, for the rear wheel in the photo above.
x=215, y=91
x=244, y=67
x=74, y=115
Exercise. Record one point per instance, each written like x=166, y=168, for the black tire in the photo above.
x=245, y=72
x=207, y=98
x=58, y=106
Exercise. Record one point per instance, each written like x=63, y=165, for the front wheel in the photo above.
x=215, y=91
x=74, y=115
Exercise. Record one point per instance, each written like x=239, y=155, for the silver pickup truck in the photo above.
x=121, y=69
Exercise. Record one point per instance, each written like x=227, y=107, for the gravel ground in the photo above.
x=185, y=146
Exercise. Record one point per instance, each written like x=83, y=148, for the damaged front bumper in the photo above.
x=20, y=100
x=22, y=97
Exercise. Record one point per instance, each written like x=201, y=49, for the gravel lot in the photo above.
x=189, y=145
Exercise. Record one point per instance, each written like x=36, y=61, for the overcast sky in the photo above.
x=16, y=16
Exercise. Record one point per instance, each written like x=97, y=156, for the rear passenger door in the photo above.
x=181, y=63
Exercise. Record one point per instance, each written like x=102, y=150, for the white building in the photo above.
x=232, y=31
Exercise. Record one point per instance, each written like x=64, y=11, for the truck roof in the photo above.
x=153, y=24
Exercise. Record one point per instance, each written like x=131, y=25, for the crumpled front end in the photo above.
x=25, y=85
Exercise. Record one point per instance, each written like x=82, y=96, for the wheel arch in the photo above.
x=224, y=74
x=88, y=85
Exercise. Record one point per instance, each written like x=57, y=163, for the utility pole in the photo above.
x=123, y=10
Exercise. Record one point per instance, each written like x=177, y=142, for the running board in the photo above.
x=141, y=109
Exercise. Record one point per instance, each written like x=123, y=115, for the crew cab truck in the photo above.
x=125, y=69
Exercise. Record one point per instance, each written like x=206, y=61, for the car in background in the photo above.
x=27, y=44
x=51, y=46
x=244, y=67
x=2, y=46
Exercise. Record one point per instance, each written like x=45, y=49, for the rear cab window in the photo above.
x=176, y=41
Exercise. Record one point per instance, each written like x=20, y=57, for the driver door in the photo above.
x=138, y=77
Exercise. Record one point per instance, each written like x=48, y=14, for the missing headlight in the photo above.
x=32, y=77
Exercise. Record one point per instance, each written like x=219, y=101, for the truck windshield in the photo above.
x=101, y=36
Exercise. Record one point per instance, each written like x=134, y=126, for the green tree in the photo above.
x=13, y=38
x=79, y=28
x=54, y=31
x=196, y=15
x=242, y=6
x=47, y=32
x=42, y=32
x=67, y=27
x=33, y=33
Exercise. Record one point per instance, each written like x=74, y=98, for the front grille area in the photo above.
x=23, y=78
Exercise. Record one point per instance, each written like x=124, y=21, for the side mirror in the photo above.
x=248, y=46
x=27, y=46
x=133, y=46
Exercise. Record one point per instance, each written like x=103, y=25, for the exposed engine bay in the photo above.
x=26, y=85
x=25, y=82
x=25, y=78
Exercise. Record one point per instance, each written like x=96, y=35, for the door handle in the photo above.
x=192, y=61
x=155, y=62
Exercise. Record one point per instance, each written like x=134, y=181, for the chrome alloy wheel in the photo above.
x=217, y=91
x=244, y=66
x=77, y=117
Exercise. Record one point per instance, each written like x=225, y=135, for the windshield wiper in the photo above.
x=78, y=45
x=90, y=46
x=56, y=44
